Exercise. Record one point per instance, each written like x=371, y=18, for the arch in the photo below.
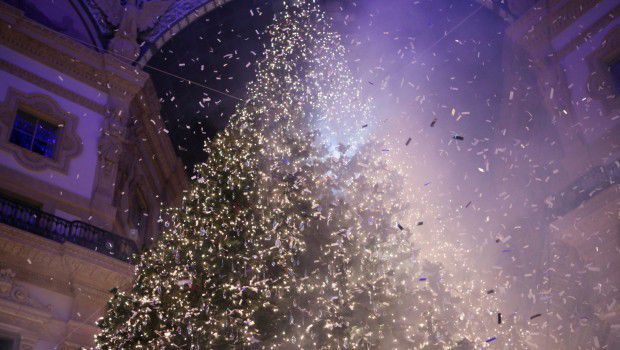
x=154, y=27
x=179, y=16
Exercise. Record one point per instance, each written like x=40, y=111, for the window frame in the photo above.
x=14, y=337
x=45, y=108
x=38, y=120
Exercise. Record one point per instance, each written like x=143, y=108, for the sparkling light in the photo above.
x=285, y=242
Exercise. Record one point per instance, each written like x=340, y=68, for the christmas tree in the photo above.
x=285, y=241
x=225, y=271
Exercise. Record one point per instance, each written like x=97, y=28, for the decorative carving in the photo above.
x=110, y=146
x=130, y=179
x=109, y=150
x=145, y=21
x=44, y=107
x=70, y=57
x=14, y=292
x=54, y=263
x=136, y=16
x=6, y=280
x=111, y=141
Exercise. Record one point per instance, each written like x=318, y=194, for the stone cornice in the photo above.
x=52, y=196
x=586, y=33
x=25, y=311
x=101, y=71
x=14, y=292
x=538, y=26
x=33, y=324
x=82, y=276
x=52, y=87
x=34, y=255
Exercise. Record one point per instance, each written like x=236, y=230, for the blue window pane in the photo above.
x=20, y=138
x=43, y=148
x=25, y=122
x=23, y=129
x=45, y=132
x=34, y=134
x=45, y=139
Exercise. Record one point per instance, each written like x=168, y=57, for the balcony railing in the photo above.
x=61, y=230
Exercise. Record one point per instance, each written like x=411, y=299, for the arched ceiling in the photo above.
x=146, y=25
x=157, y=21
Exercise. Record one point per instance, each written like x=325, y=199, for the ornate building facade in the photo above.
x=86, y=164
x=557, y=167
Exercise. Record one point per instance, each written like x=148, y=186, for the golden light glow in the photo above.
x=285, y=241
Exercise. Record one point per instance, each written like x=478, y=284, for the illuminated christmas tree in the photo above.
x=285, y=241
x=225, y=271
